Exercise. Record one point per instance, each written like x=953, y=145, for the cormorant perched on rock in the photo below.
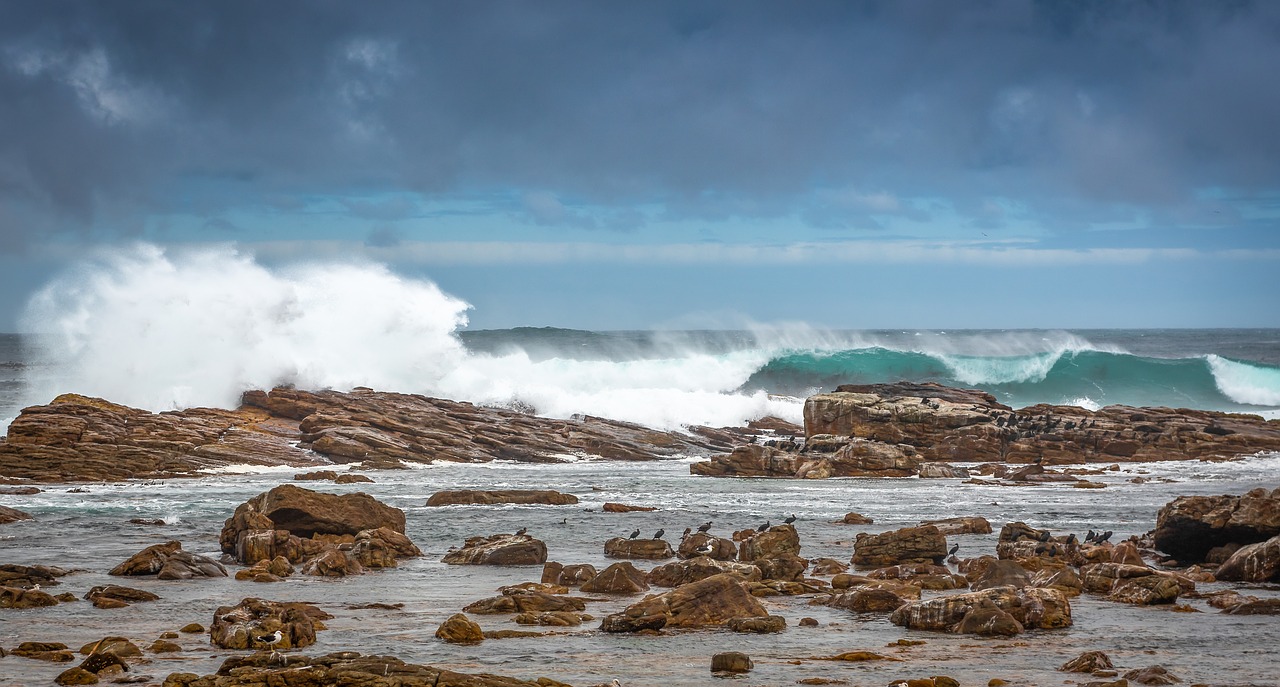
x=1103, y=537
x=954, y=549
x=520, y=532
x=765, y=527
x=1000, y=421
x=1045, y=535
x=659, y=533
x=925, y=400
x=704, y=526
x=687, y=532
x=634, y=534
x=1088, y=537
x=790, y=519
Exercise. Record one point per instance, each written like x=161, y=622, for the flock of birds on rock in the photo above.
x=704, y=528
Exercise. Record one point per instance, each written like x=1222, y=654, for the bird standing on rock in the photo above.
x=1102, y=537
x=1045, y=536
x=765, y=527
x=634, y=534
x=953, y=550
x=520, y=532
x=1088, y=537
x=705, y=526
x=271, y=639
x=790, y=519
x=687, y=532
x=659, y=533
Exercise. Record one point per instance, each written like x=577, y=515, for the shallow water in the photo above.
x=90, y=531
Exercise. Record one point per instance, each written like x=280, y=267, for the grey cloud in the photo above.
x=709, y=110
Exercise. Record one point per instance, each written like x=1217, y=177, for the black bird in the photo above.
x=1045, y=536
x=520, y=532
x=1103, y=537
x=953, y=550
x=634, y=534
x=659, y=533
x=790, y=519
x=704, y=526
x=687, y=532
x=765, y=527
x=1088, y=537
x=1071, y=539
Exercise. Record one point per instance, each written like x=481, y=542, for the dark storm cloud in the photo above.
x=108, y=110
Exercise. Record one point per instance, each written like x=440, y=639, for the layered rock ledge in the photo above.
x=78, y=438
x=897, y=430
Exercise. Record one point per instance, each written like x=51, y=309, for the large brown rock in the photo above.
x=341, y=669
x=1146, y=590
x=28, y=576
x=619, y=578
x=959, y=425
x=8, y=515
x=115, y=596
x=961, y=525
x=16, y=597
x=244, y=625
x=459, y=629
x=683, y=572
x=169, y=562
x=382, y=548
x=907, y=545
x=855, y=458
x=567, y=575
x=517, y=600
x=1002, y=573
x=777, y=542
x=703, y=544
x=868, y=600
x=1189, y=526
x=709, y=602
x=499, y=549
x=645, y=549
x=474, y=497
x=1253, y=563
x=1031, y=607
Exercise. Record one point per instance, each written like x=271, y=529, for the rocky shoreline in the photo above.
x=753, y=581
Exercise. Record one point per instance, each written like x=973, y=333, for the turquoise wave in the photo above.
x=1081, y=377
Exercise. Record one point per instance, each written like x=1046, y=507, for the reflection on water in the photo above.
x=90, y=532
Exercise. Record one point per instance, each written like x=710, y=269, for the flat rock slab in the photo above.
x=472, y=497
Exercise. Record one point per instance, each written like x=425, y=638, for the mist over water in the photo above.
x=165, y=329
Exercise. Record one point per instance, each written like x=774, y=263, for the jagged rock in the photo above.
x=317, y=475
x=1002, y=573
x=499, y=549
x=1146, y=590
x=987, y=619
x=341, y=669
x=828, y=566
x=1189, y=526
x=731, y=662
x=868, y=601
x=77, y=438
x=1063, y=579
x=567, y=575
x=1126, y=552
x=961, y=525
x=1030, y=607
x=459, y=629
x=1253, y=563
x=766, y=625
x=646, y=549
x=332, y=563
x=778, y=541
x=624, y=508
x=55, y=652
x=619, y=578
x=252, y=534
x=940, y=471
x=719, y=548
x=115, y=646
x=1153, y=675
x=959, y=425
x=28, y=576
x=1088, y=662
x=16, y=597
x=784, y=567
x=683, y=572
x=1101, y=578
x=907, y=545
x=274, y=570
x=709, y=602
x=115, y=596
x=169, y=562
x=382, y=548
x=8, y=515
x=515, y=600
x=473, y=497
x=241, y=626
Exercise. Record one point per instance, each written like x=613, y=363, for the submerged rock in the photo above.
x=345, y=668
x=8, y=515
x=473, y=497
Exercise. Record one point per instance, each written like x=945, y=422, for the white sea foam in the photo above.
x=1085, y=402
x=161, y=330
x=1246, y=383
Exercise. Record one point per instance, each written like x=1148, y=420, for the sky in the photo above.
x=621, y=165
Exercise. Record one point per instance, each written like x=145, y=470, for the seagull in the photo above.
x=953, y=550
x=704, y=550
x=615, y=683
x=271, y=639
x=520, y=532
x=704, y=526
x=659, y=533
x=790, y=519
x=634, y=534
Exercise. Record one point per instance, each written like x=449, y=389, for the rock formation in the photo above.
x=709, y=602
x=244, y=625
x=907, y=545
x=1030, y=607
x=169, y=562
x=499, y=549
x=343, y=669
x=1188, y=527
x=473, y=497
x=646, y=549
